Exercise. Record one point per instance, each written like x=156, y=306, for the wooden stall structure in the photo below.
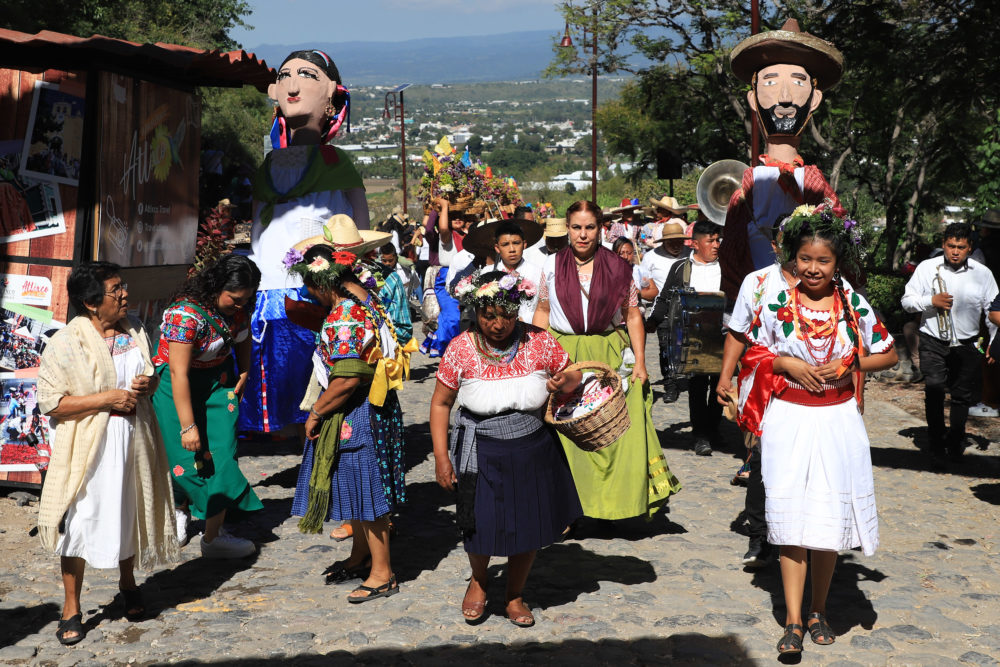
x=100, y=143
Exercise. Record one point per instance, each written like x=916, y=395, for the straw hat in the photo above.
x=670, y=230
x=341, y=233
x=555, y=227
x=788, y=46
x=670, y=204
x=481, y=238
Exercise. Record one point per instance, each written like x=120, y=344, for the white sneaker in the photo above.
x=227, y=546
x=983, y=410
x=182, y=526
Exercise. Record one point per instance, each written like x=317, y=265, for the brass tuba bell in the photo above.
x=716, y=186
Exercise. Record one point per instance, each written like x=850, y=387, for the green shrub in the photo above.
x=884, y=294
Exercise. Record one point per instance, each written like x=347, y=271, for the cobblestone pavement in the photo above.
x=632, y=592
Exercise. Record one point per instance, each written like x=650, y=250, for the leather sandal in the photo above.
x=385, y=590
x=521, y=620
x=339, y=572
x=133, y=606
x=790, y=642
x=67, y=625
x=473, y=612
x=820, y=631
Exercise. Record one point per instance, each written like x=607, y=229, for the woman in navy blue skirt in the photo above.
x=515, y=491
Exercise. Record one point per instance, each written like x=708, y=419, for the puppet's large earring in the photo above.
x=330, y=110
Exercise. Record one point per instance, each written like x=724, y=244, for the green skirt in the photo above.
x=630, y=477
x=210, y=478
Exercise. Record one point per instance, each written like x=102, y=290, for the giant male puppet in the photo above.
x=787, y=70
x=302, y=183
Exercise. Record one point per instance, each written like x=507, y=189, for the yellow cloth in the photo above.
x=389, y=373
x=444, y=147
x=76, y=362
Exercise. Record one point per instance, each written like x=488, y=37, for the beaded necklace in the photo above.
x=820, y=339
x=495, y=356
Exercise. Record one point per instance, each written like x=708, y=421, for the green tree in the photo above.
x=901, y=127
x=988, y=167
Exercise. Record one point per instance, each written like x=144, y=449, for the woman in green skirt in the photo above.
x=197, y=402
x=589, y=303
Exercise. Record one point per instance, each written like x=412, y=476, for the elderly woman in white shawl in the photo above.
x=107, y=496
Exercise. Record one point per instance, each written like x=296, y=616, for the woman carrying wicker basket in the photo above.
x=515, y=492
x=588, y=301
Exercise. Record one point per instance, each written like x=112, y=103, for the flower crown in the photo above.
x=826, y=219
x=508, y=291
x=321, y=271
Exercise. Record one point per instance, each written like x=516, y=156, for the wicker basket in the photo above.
x=602, y=427
x=461, y=203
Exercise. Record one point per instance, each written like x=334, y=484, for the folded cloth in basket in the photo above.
x=589, y=396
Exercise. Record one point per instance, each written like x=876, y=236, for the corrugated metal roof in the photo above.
x=54, y=50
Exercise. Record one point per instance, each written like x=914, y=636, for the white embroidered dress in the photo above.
x=815, y=460
x=100, y=524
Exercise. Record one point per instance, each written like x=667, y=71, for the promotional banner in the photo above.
x=148, y=173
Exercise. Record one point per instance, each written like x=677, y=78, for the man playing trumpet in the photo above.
x=949, y=292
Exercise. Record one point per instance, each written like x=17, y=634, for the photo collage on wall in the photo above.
x=26, y=435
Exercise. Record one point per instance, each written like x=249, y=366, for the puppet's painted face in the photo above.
x=302, y=91
x=783, y=97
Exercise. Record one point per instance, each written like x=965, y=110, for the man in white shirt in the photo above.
x=554, y=239
x=702, y=273
x=949, y=359
x=669, y=247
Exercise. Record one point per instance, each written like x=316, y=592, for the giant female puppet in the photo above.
x=302, y=183
x=787, y=70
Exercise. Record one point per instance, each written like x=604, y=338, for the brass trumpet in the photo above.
x=945, y=322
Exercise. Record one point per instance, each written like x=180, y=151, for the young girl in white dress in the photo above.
x=815, y=457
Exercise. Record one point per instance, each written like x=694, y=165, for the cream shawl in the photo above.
x=76, y=362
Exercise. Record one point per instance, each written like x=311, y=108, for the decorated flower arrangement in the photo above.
x=321, y=271
x=454, y=177
x=213, y=231
x=507, y=291
x=825, y=218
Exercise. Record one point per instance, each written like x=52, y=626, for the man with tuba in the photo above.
x=949, y=292
x=787, y=70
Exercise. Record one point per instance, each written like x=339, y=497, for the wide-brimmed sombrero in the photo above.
x=555, y=228
x=669, y=204
x=788, y=46
x=481, y=238
x=341, y=233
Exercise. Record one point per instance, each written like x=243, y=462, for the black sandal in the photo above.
x=67, y=625
x=820, y=629
x=385, y=590
x=790, y=642
x=134, y=607
x=339, y=572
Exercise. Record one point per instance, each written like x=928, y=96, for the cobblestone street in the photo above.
x=667, y=591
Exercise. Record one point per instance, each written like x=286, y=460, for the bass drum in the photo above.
x=691, y=337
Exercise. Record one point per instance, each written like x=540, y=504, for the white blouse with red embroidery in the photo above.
x=487, y=388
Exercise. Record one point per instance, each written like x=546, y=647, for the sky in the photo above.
x=300, y=21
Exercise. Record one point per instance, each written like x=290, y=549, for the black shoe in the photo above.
x=758, y=554
x=939, y=463
x=702, y=447
x=670, y=392
x=956, y=455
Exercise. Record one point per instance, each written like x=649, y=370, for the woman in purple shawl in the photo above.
x=588, y=301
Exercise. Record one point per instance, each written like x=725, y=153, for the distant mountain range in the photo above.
x=460, y=59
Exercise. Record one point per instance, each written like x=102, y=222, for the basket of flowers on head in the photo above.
x=595, y=414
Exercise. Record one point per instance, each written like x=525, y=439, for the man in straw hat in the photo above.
x=665, y=209
x=555, y=237
x=787, y=70
x=282, y=350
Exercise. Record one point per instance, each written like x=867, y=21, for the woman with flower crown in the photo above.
x=352, y=467
x=590, y=304
x=515, y=492
x=801, y=378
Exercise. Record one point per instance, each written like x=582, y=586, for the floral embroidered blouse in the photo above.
x=183, y=324
x=486, y=387
x=349, y=332
x=788, y=331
